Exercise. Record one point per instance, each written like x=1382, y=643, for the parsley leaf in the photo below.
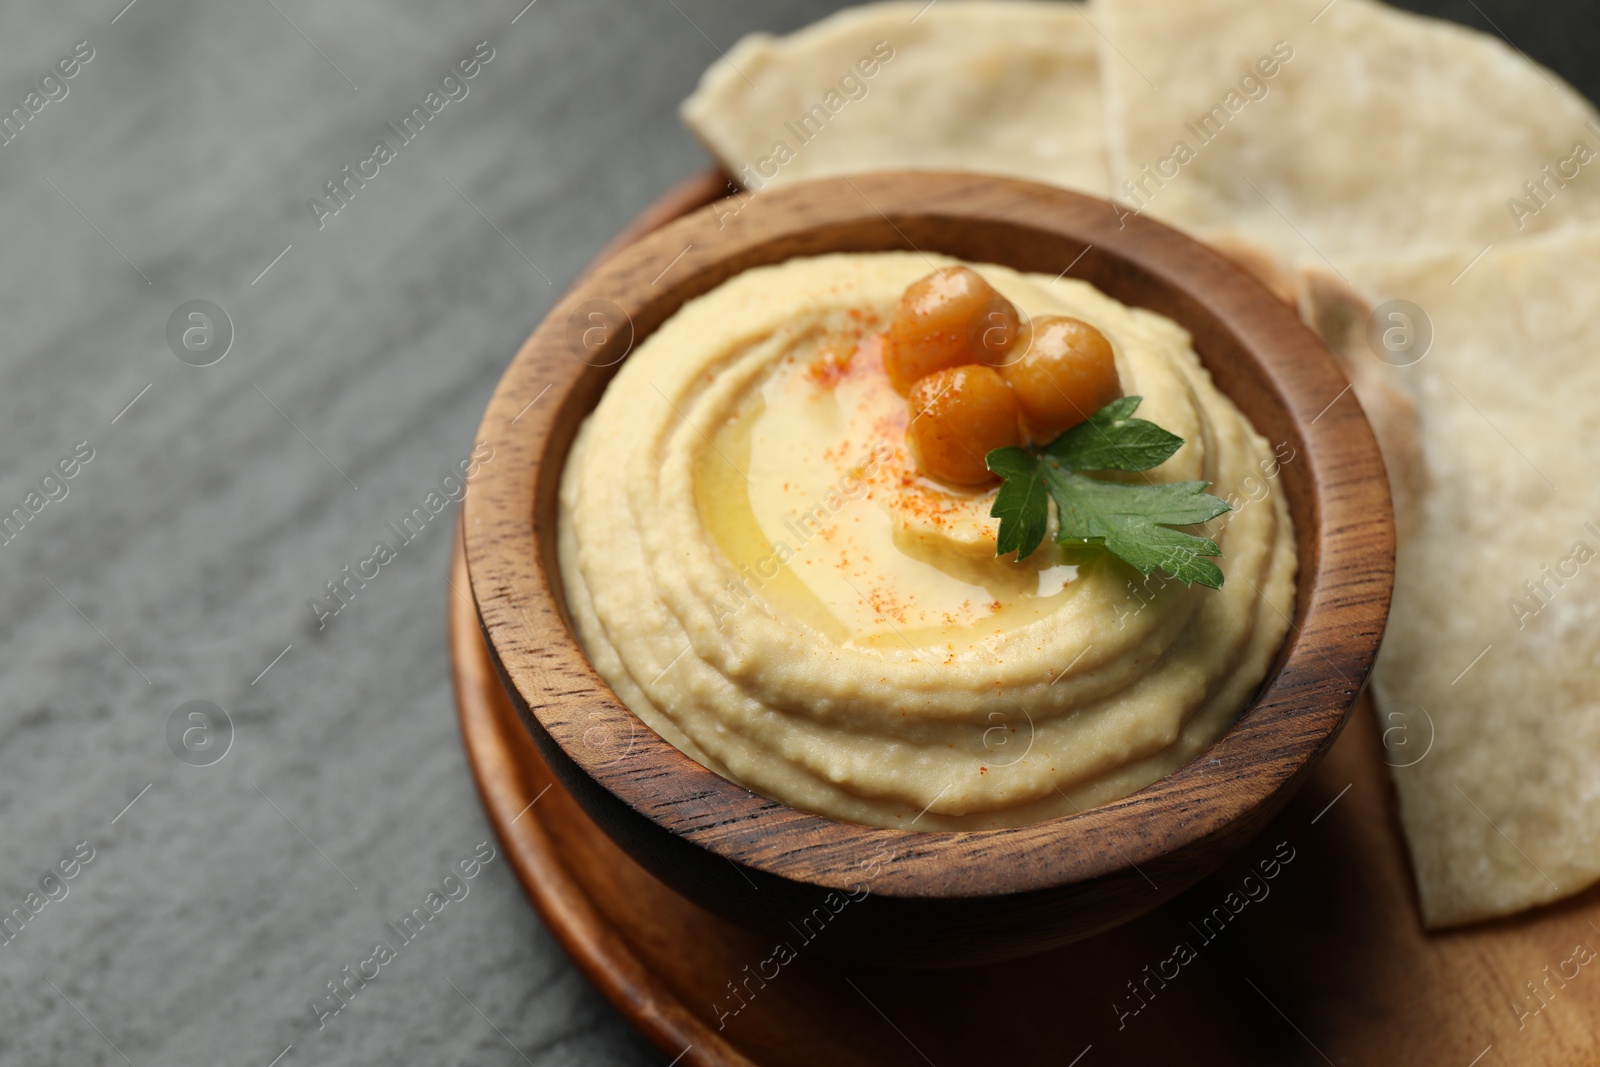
x=1133, y=522
x=1021, y=504
x=1113, y=440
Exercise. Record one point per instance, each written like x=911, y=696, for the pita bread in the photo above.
x=1381, y=130
x=1257, y=261
x=1004, y=87
x=1494, y=638
x=1385, y=157
x=1342, y=318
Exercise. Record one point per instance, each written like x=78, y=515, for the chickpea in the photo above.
x=1067, y=374
x=946, y=319
x=957, y=416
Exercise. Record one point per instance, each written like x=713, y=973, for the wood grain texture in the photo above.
x=1330, y=964
x=936, y=898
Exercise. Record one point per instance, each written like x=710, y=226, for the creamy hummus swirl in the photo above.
x=754, y=566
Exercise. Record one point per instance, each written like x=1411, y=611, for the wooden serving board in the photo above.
x=1305, y=948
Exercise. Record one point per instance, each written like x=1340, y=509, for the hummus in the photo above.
x=754, y=565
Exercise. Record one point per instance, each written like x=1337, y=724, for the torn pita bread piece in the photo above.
x=1257, y=262
x=1347, y=323
x=1488, y=682
x=1003, y=87
x=1319, y=129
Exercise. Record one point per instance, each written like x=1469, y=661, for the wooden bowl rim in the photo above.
x=1299, y=709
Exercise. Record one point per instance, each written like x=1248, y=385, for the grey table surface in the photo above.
x=220, y=899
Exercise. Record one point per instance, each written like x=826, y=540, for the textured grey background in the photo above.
x=221, y=901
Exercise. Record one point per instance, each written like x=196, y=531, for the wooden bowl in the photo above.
x=935, y=898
